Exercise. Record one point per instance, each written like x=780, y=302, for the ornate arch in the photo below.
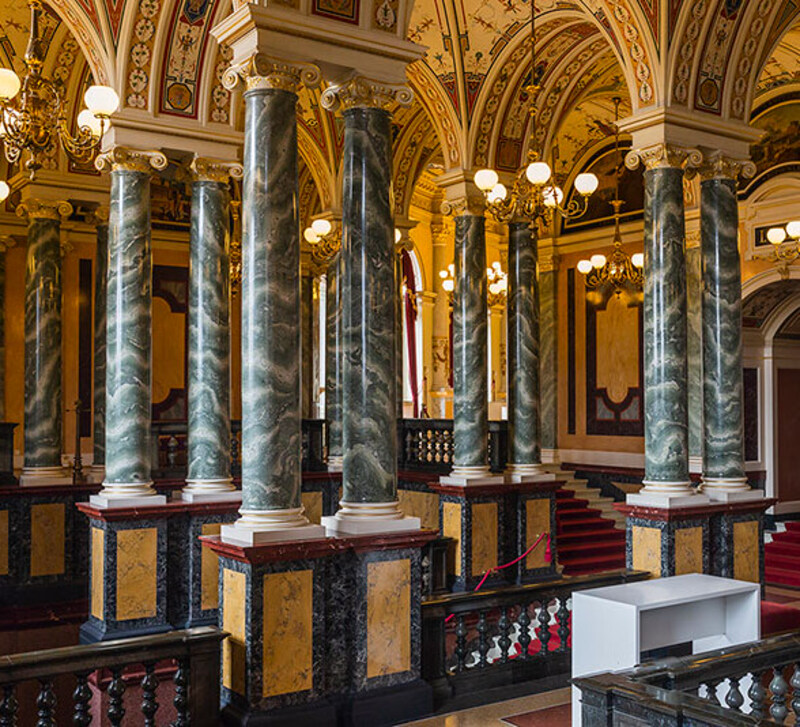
x=99, y=55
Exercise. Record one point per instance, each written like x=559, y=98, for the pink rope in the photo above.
x=497, y=568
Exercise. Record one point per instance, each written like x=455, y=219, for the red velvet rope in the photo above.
x=497, y=568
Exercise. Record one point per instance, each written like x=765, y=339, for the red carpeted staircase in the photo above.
x=587, y=542
x=782, y=557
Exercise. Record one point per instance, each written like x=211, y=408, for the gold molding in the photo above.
x=99, y=216
x=203, y=169
x=663, y=156
x=718, y=166
x=122, y=158
x=44, y=209
x=549, y=263
x=469, y=205
x=261, y=71
x=363, y=92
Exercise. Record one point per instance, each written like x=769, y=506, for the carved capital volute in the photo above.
x=362, y=92
x=44, y=209
x=662, y=156
x=203, y=169
x=467, y=205
x=122, y=158
x=261, y=71
x=99, y=217
x=716, y=165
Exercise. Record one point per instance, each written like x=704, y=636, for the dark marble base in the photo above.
x=737, y=543
x=94, y=631
x=389, y=706
x=321, y=714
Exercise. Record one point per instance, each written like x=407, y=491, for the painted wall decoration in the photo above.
x=14, y=29
x=344, y=10
x=187, y=44
x=141, y=57
x=781, y=143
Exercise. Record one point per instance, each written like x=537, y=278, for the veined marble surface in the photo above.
x=43, y=344
x=100, y=292
x=694, y=344
x=723, y=389
x=548, y=402
x=665, y=381
x=470, y=408
x=128, y=329
x=209, y=430
x=523, y=347
x=333, y=357
x=271, y=425
x=369, y=426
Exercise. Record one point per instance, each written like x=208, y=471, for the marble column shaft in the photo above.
x=400, y=312
x=470, y=407
x=209, y=427
x=307, y=325
x=333, y=360
x=548, y=318
x=694, y=345
x=523, y=347
x=368, y=310
x=99, y=394
x=43, y=416
x=723, y=413
x=271, y=338
x=128, y=332
x=665, y=399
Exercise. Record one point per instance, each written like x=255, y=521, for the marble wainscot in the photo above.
x=491, y=525
x=346, y=652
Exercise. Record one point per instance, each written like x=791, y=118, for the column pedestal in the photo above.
x=347, y=651
x=737, y=540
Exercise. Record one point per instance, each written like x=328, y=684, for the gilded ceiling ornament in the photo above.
x=431, y=99
x=121, y=158
x=261, y=71
x=660, y=156
x=44, y=209
x=203, y=169
x=362, y=92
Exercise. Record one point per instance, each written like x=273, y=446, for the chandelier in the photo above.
x=535, y=192
x=448, y=281
x=619, y=272
x=324, y=239
x=777, y=236
x=498, y=285
x=33, y=111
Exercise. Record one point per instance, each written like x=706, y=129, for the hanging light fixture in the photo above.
x=785, y=254
x=448, y=281
x=619, y=272
x=324, y=239
x=535, y=193
x=33, y=112
x=497, y=285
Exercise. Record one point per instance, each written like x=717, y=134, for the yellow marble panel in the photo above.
x=688, y=551
x=288, y=638
x=137, y=573
x=312, y=502
x=451, y=528
x=388, y=617
x=647, y=549
x=617, y=366
x=98, y=573
x=746, y=551
x=484, y=537
x=424, y=505
x=234, y=586
x=3, y=542
x=168, y=350
x=537, y=521
x=209, y=570
x=47, y=539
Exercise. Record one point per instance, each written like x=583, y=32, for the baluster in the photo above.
x=82, y=716
x=778, y=689
x=172, y=451
x=795, y=684
x=524, y=621
x=181, y=700
x=483, y=642
x=562, y=616
x=149, y=686
x=711, y=691
x=543, y=632
x=734, y=698
x=504, y=642
x=757, y=694
x=46, y=704
x=8, y=707
x=116, y=689
x=461, y=643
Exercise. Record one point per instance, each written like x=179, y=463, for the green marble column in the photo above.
x=400, y=311
x=694, y=352
x=128, y=330
x=524, y=424
x=548, y=357
x=723, y=389
x=209, y=427
x=665, y=364
x=98, y=470
x=333, y=362
x=43, y=394
x=4, y=245
x=369, y=297
x=307, y=326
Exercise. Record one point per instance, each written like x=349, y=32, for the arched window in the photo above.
x=412, y=332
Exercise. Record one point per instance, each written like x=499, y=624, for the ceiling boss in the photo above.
x=33, y=111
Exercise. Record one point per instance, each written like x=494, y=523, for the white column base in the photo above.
x=369, y=518
x=96, y=474
x=550, y=456
x=221, y=490
x=34, y=476
x=257, y=527
x=738, y=490
x=525, y=473
x=127, y=494
x=335, y=463
x=667, y=495
x=465, y=476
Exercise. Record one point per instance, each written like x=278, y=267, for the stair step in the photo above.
x=788, y=536
x=585, y=524
x=579, y=566
x=572, y=504
x=577, y=513
x=793, y=526
x=609, y=547
x=590, y=535
x=777, y=547
x=781, y=576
